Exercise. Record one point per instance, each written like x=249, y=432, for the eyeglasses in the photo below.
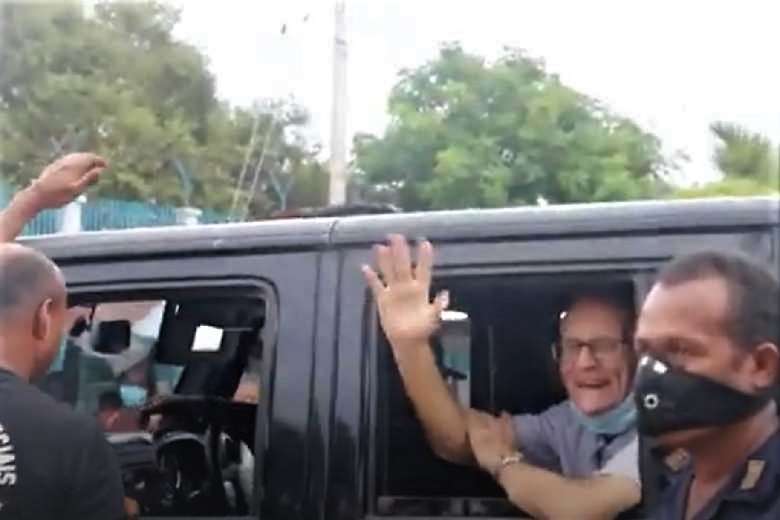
x=568, y=349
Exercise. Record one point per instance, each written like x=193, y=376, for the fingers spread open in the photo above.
x=384, y=260
x=442, y=301
x=423, y=271
x=373, y=281
x=402, y=258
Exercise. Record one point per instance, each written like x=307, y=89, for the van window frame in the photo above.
x=637, y=271
x=251, y=287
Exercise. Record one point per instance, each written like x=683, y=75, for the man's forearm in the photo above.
x=20, y=211
x=548, y=495
x=438, y=410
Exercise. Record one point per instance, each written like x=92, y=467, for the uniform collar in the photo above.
x=758, y=476
x=755, y=482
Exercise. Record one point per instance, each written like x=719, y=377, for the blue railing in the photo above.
x=118, y=214
x=45, y=223
x=106, y=214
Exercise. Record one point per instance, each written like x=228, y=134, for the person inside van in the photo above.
x=113, y=416
x=59, y=183
x=709, y=340
x=584, y=449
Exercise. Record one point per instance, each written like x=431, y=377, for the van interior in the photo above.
x=161, y=374
x=495, y=350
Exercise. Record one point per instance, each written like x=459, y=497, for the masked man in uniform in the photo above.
x=708, y=339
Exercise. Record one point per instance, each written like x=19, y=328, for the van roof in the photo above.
x=652, y=216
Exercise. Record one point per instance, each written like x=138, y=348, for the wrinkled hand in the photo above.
x=402, y=295
x=67, y=178
x=490, y=437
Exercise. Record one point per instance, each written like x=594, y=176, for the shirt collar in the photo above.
x=755, y=482
x=758, y=476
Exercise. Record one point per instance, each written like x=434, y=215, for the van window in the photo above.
x=165, y=373
x=107, y=350
x=494, y=349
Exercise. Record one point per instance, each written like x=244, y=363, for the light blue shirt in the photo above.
x=556, y=440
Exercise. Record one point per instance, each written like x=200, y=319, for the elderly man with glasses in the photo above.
x=578, y=459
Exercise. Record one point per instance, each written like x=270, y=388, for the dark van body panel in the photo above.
x=176, y=241
x=320, y=386
x=612, y=219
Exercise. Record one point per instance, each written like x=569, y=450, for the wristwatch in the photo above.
x=507, y=460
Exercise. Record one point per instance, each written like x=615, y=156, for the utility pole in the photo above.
x=338, y=121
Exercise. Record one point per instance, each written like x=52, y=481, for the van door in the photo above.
x=282, y=284
x=494, y=351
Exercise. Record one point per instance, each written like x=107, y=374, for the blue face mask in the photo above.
x=614, y=421
x=133, y=396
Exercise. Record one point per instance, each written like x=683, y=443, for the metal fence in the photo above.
x=117, y=214
x=107, y=214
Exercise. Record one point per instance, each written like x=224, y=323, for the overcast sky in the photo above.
x=673, y=66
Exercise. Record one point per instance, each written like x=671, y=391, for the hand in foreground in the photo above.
x=490, y=438
x=65, y=179
x=406, y=312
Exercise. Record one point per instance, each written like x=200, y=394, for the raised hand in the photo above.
x=402, y=293
x=66, y=178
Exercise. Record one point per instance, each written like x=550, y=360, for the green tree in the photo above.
x=467, y=133
x=119, y=83
x=727, y=188
x=284, y=164
x=748, y=161
x=743, y=154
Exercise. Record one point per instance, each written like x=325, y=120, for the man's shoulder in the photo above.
x=44, y=414
x=773, y=447
x=74, y=426
x=560, y=412
x=557, y=418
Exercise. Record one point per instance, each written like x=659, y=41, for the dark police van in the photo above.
x=184, y=317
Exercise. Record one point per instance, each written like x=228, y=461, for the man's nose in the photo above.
x=585, y=358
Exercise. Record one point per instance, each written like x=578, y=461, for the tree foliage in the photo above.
x=468, y=133
x=743, y=154
x=730, y=187
x=749, y=163
x=119, y=83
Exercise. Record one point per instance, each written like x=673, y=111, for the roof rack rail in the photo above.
x=342, y=210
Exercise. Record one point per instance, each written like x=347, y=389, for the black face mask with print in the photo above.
x=670, y=399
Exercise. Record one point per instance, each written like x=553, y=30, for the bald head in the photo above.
x=32, y=310
x=27, y=278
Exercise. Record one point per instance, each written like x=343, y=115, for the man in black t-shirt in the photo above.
x=54, y=462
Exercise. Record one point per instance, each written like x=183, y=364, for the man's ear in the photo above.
x=766, y=365
x=42, y=321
